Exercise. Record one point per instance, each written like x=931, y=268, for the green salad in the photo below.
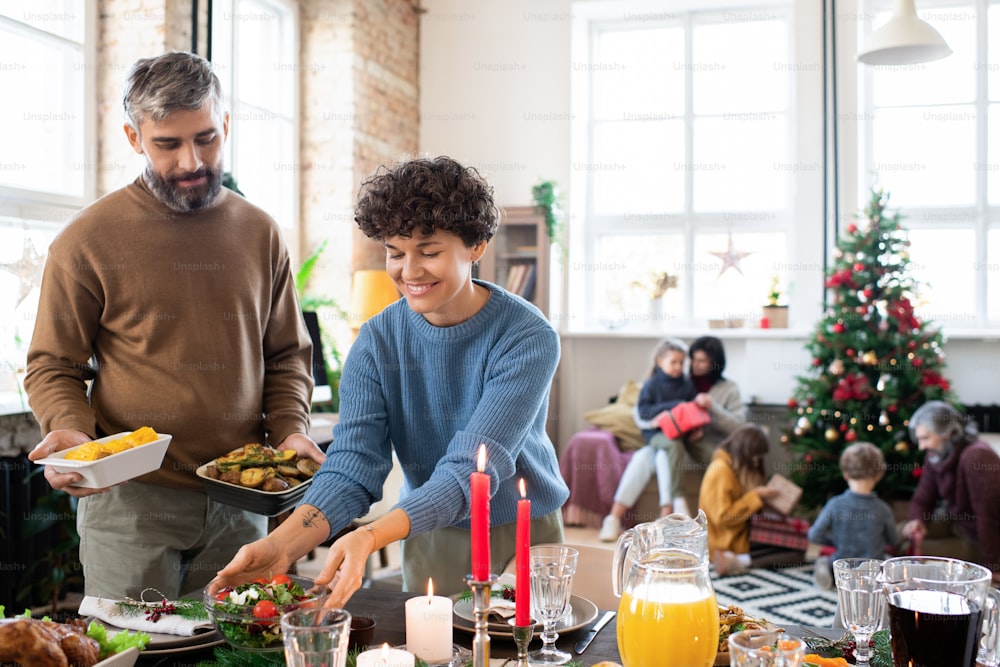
x=249, y=615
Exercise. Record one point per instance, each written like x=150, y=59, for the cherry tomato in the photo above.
x=260, y=580
x=265, y=609
x=281, y=579
x=222, y=596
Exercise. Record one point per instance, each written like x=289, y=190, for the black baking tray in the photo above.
x=268, y=503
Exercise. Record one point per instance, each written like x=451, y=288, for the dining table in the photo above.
x=386, y=608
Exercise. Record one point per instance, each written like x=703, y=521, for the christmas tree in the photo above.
x=874, y=362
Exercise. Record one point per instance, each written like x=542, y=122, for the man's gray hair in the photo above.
x=156, y=87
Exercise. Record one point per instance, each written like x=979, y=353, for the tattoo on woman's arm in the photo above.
x=310, y=519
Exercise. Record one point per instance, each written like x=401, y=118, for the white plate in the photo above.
x=160, y=641
x=113, y=469
x=582, y=612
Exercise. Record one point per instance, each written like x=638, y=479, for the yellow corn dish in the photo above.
x=92, y=451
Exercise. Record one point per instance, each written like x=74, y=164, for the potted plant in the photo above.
x=656, y=286
x=775, y=315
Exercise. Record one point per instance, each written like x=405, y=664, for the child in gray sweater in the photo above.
x=857, y=523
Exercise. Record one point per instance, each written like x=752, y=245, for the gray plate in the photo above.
x=582, y=612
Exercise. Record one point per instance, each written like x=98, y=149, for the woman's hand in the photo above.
x=703, y=400
x=56, y=441
x=344, y=570
x=303, y=446
x=261, y=559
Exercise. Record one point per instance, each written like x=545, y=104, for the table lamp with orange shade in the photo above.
x=371, y=291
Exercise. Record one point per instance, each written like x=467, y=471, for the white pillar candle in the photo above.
x=429, y=627
x=385, y=657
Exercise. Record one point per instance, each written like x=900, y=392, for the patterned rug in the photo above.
x=780, y=595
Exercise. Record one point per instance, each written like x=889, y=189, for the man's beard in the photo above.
x=185, y=200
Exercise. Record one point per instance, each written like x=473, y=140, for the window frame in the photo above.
x=979, y=217
x=229, y=75
x=589, y=21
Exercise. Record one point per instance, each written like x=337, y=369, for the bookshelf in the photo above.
x=517, y=258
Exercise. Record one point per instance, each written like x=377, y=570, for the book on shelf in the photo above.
x=515, y=278
x=527, y=290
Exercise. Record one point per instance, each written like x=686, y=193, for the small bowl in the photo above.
x=362, y=631
x=246, y=632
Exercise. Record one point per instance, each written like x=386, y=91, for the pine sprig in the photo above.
x=843, y=647
x=188, y=609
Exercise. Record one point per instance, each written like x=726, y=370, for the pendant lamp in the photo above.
x=904, y=40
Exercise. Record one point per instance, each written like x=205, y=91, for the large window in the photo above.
x=687, y=160
x=931, y=138
x=255, y=54
x=47, y=167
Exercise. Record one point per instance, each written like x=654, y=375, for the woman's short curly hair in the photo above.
x=421, y=196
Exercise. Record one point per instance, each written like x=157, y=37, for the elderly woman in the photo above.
x=962, y=471
x=717, y=394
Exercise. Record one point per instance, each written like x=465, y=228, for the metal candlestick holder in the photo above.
x=522, y=637
x=480, y=611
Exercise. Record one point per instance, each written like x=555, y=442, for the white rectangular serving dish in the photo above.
x=126, y=658
x=113, y=469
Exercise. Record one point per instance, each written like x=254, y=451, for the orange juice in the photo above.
x=667, y=633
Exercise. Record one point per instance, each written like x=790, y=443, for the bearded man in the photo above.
x=169, y=303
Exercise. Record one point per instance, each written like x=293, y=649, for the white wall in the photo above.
x=494, y=77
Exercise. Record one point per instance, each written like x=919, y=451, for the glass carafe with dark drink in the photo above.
x=939, y=609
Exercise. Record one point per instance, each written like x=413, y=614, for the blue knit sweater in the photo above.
x=436, y=394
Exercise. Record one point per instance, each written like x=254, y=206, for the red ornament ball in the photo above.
x=792, y=403
x=850, y=352
x=839, y=328
x=851, y=436
x=858, y=267
x=852, y=228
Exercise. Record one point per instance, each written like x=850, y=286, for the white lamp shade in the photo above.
x=904, y=40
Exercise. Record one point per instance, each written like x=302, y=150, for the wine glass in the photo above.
x=552, y=570
x=862, y=601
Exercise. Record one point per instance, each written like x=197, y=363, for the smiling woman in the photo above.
x=468, y=344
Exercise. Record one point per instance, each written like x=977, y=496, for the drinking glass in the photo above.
x=552, y=570
x=765, y=648
x=942, y=611
x=862, y=601
x=316, y=637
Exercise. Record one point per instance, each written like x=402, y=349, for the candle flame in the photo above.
x=385, y=653
x=481, y=461
x=524, y=491
x=430, y=590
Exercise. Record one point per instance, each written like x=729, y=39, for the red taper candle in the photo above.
x=479, y=483
x=522, y=562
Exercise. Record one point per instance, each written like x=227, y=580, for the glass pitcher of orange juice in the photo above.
x=668, y=616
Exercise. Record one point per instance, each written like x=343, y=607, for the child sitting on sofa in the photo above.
x=666, y=387
x=857, y=523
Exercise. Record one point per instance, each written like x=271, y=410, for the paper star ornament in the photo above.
x=730, y=257
x=28, y=270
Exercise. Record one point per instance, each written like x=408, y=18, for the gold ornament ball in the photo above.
x=902, y=447
x=831, y=434
x=870, y=358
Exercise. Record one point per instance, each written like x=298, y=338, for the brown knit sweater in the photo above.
x=193, y=322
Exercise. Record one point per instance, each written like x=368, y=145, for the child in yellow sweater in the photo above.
x=732, y=490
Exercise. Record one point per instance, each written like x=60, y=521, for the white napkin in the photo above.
x=107, y=610
x=503, y=607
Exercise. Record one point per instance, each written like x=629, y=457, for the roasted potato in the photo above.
x=212, y=471
x=232, y=476
x=307, y=467
x=275, y=484
x=253, y=477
